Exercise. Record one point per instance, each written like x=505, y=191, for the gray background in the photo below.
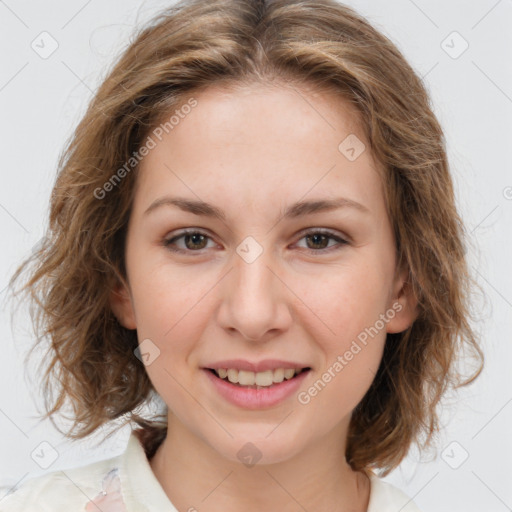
x=42, y=99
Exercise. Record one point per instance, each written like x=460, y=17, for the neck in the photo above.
x=196, y=477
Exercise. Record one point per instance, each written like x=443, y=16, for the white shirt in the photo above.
x=126, y=483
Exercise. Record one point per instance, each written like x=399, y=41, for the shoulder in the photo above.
x=64, y=490
x=385, y=497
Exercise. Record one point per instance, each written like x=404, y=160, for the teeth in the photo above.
x=289, y=373
x=246, y=378
x=279, y=375
x=264, y=379
x=233, y=375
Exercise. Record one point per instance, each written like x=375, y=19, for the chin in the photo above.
x=258, y=449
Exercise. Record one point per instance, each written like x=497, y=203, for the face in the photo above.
x=259, y=278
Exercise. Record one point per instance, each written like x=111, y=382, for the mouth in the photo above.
x=257, y=380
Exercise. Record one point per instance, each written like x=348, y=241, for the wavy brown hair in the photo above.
x=322, y=44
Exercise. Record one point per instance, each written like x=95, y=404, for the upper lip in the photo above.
x=259, y=366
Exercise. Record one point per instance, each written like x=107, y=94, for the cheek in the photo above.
x=351, y=337
x=342, y=384
x=345, y=320
x=344, y=303
x=168, y=299
x=172, y=311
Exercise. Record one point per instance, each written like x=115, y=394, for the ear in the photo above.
x=122, y=306
x=403, y=304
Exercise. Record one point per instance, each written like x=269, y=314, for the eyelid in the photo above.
x=181, y=233
x=334, y=233
x=340, y=239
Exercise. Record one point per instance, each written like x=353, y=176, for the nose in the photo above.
x=254, y=299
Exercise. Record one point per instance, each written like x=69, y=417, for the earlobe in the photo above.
x=122, y=306
x=403, y=307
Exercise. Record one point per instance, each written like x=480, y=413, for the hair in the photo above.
x=194, y=45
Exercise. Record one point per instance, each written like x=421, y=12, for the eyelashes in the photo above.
x=196, y=237
x=188, y=234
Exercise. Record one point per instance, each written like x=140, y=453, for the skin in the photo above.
x=290, y=303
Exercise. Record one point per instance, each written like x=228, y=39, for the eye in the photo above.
x=194, y=241
x=320, y=238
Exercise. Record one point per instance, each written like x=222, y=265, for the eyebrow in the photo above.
x=301, y=208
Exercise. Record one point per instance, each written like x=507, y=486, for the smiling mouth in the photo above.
x=259, y=380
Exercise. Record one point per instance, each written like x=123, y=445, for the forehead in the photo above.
x=262, y=143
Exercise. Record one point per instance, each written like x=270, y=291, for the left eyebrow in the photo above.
x=308, y=207
x=298, y=209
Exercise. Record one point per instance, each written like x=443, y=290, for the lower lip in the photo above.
x=250, y=398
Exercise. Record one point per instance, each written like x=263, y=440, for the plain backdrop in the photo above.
x=462, y=51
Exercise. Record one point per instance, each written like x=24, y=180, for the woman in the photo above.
x=255, y=220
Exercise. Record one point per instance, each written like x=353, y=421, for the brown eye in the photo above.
x=194, y=241
x=318, y=241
